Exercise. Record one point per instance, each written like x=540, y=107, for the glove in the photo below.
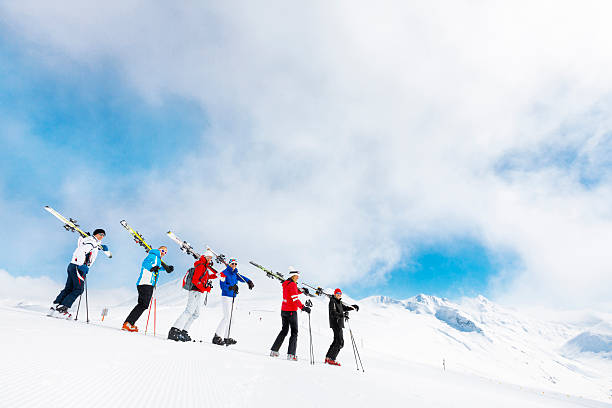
x=306, y=309
x=356, y=308
x=234, y=288
x=169, y=268
x=305, y=291
x=154, y=269
x=104, y=247
x=251, y=285
x=83, y=268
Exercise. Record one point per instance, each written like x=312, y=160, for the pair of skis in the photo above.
x=279, y=276
x=70, y=224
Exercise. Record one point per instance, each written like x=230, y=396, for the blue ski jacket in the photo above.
x=230, y=277
x=147, y=277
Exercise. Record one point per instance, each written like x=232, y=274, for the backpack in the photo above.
x=187, y=280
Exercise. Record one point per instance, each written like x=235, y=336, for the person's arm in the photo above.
x=196, y=279
x=213, y=273
x=294, y=292
x=242, y=278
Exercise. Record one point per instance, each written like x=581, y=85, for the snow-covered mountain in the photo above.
x=423, y=350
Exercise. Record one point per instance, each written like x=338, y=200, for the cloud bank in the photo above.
x=342, y=136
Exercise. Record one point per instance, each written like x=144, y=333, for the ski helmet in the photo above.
x=99, y=231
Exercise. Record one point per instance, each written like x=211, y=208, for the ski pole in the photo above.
x=78, y=307
x=86, y=301
x=154, y=315
x=229, y=327
x=148, y=315
x=311, y=348
x=355, y=350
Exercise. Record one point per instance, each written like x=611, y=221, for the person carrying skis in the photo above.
x=149, y=272
x=82, y=259
x=198, y=284
x=338, y=312
x=229, y=289
x=291, y=303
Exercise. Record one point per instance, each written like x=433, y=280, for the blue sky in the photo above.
x=395, y=160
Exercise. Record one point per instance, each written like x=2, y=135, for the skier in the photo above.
x=291, y=303
x=229, y=289
x=147, y=280
x=83, y=257
x=196, y=284
x=337, y=314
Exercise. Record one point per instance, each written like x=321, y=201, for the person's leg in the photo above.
x=283, y=333
x=332, y=346
x=338, y=343
x=293, y=323
x=182, y=320
x=145, y=292
x=67, y=288
x=226, y=302
x=77, y=285
x=195, y=298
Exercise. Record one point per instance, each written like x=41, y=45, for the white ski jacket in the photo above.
x=86, y=251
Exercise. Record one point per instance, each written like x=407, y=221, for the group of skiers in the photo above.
x=198, y=283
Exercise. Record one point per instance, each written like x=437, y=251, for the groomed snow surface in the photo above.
x=493, y=356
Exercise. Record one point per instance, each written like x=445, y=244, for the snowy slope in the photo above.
x=508, y=362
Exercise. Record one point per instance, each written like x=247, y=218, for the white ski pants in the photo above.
x=192, y=311
x=226, y=303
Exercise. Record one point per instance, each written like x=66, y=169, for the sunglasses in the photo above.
x=233, y=263
x=163, y=251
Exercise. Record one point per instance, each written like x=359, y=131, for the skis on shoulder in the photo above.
x=70, y=224
x=279, y=276
x=138, y=238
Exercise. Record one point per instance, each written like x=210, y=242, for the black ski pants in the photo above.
x=145, y=292
x=73, y=288
x=337, y=344
x=289, y=319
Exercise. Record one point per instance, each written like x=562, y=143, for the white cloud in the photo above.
x=343, y=134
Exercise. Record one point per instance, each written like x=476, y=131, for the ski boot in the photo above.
x=63, y=312
x=174, y=334
x=229, y=341
x=274, y=353
x=52, y=310
x=185, y=336
x=292, y=357
x=331, y=362
x=218, y=340
x=127, y=326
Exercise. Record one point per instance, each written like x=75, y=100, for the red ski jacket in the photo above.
x=203, y=273
x=291, y=303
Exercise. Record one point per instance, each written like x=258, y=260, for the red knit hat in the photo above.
x=337, y=291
